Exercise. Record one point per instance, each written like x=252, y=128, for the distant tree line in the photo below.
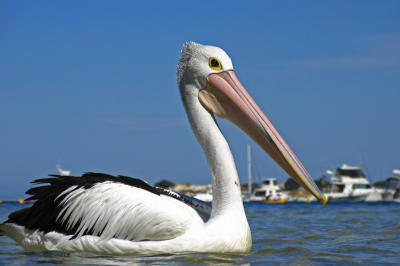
x=164, y=183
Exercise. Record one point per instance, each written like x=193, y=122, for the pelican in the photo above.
x=118, y=215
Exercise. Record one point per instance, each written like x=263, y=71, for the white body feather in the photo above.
x=126, y=212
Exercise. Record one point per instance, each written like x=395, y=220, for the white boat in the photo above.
x=269, y=192
x=206, y=196
x=391, y=187
x=62, y=172
x=350, y=185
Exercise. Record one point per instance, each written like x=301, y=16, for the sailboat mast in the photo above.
x=249, y=184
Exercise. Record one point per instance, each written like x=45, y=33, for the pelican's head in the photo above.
x=198, y=61
x=209, y=72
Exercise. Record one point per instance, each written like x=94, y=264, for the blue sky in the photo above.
x=92, y=85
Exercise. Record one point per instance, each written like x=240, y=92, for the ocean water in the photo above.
x=290, y=233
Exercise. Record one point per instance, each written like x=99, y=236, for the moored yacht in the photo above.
x=269, y=192
x=391, y=187
x=349, y=185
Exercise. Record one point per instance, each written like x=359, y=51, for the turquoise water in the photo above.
x=298, y=233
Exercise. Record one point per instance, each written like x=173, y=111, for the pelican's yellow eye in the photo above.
x=214, y=63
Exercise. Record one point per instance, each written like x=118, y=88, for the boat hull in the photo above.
x=358, y=198
x=275, y=201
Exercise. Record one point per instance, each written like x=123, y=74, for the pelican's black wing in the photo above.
x=44, y=214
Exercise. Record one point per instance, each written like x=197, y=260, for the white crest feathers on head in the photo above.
x=186, y=53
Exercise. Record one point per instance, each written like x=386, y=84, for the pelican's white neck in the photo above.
x=225, y=182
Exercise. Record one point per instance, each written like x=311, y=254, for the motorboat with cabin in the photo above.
x=391, y=187
x=269, y=192
x=349, y=184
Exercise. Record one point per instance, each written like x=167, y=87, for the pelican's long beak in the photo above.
x=227, y=98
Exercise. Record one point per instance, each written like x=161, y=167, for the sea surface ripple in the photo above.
x=290, y=233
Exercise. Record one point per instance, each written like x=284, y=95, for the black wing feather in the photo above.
x=42, y=215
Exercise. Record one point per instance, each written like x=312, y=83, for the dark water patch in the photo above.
x=272, y=241
x=352, y=213
x=310, y=237
x=364, y=249
x=212, y=259
x=396, y=227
